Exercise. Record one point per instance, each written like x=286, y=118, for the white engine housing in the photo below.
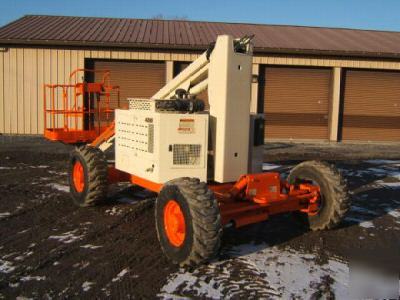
x=160, y=146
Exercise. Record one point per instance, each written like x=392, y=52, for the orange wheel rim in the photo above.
x=78, y=176
x=174, y=223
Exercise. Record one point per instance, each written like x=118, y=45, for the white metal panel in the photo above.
x=145, y=143
x=229, y=91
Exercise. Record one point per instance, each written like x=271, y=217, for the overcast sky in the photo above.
x=364, y=14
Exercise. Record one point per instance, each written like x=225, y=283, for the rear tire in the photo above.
x=199, y=209
x=335, y=201
x=88, y=176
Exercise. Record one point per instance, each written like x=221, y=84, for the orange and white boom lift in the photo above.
x=205, y=166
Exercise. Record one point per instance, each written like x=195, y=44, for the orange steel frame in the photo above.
x=253, y=198
x=72, y=120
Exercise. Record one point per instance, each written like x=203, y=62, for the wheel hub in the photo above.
x=78, y=176
x=174, y=223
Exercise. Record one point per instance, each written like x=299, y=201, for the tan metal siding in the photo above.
x=47, y=72
x=296, y=102
x=371, y=107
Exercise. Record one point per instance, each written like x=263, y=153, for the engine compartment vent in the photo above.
x=186, y=154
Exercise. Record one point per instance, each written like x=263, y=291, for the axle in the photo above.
x=253, y=198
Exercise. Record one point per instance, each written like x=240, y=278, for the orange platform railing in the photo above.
x=78, y=112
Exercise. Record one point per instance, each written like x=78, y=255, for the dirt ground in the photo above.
x=51, y=249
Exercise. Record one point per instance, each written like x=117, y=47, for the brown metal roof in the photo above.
x=156, y=34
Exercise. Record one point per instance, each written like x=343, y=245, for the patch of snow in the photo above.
x=87, y=285
x=67, y=237
x=268, y=167
x=114, y=211
x=59, y=187
x=13, y=285
x=262, y=272
x=393, y=185
x=91, y=247
x=120, y=275
x=56, y=263
x=23, y=256
x=6, y=266
x=361, y=222
x=8, y=168
x=30, y=278
x=393, y=213
x=367, y=224
x=57, y=173
x=4, y=215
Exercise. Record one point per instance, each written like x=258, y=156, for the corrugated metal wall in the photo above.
x=24, y=71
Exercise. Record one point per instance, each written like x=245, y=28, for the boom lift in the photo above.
x=202, y=164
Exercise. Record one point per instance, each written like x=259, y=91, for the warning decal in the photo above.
x=186, y=126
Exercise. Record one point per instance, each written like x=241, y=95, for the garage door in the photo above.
x=295, y=102
x=371, y=107
x=136, y=79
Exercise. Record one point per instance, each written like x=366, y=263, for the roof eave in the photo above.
x=145, y=46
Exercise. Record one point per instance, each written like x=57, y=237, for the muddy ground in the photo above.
x=51, y=249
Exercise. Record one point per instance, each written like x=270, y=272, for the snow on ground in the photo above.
x=115, y=211
x=269, y=167
x=91, y=247
x=23, y=256
x=59, y=187
x=87, y=285
x=4, y=215
x=30, y=278
x=67, y=237
x=261, y=271
x=360, y=221
x=120, y=275
x=6, y=266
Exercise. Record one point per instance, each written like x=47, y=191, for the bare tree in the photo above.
x=162, y=17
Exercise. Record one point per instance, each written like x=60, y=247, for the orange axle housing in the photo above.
x=253, y=198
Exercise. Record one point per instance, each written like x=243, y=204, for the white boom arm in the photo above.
x=192, y=79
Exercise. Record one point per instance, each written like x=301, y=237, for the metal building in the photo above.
x=312, y=83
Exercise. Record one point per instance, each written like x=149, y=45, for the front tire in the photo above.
x=188, y=222
x=88, y=176
x=334, y=198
